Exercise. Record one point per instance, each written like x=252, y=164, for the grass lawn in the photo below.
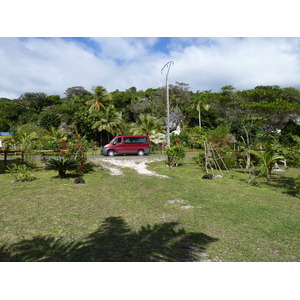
x=143, y=218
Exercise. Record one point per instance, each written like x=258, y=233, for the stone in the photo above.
x=175, y=117
x=79, y=180
x=176, y=201
x=208, y=176
x=65, y=128
x=211, y=176
x=186, y=206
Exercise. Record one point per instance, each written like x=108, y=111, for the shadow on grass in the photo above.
x=287, y=184
x=114, y=241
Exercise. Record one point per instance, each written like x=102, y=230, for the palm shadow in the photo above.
x=287, y=184
x=114, y=241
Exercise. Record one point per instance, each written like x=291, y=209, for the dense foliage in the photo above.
x=264, y=117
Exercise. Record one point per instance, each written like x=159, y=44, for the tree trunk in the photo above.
x=269, y=170
x=61, y=174
x=248, y=162
x=199, y=117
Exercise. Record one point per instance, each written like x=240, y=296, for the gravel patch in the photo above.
x=139, y=164
x=186, y=206
x=176, y=201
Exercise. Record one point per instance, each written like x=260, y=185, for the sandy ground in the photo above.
x=139, y=164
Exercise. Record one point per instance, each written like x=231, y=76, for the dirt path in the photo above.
x=139, y=164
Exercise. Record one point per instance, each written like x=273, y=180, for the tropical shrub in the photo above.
x=229, y=159
x=289, y=134
x=50, y=145
x=182, y=138
x=20, y=173
x=93, y=146
x=157, y=141
x=175, y=155
x=219, y=137
x=62, y=165
x=78, y=148
x=267, y=161
x=48, y=120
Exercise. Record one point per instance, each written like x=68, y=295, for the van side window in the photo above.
x=141, y=140
x=136, y=140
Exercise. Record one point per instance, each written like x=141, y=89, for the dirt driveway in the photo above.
x=115, y=165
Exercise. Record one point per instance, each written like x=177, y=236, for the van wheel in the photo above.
x=111, y=153
x=140, y=153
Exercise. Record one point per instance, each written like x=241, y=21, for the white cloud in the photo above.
x=243, y=63
x=52, y=65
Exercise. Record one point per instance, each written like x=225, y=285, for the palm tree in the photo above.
x=100, y=99
x=267, y=160
x=55, y=134
x=146, y=125
x=27, y=140
x=200, y=101
x=110, y=121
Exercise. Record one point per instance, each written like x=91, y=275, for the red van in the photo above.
x=128, y=144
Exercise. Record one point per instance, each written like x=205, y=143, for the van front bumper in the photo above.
x=104, y=151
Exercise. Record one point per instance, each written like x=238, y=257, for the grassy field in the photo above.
x=143, y=218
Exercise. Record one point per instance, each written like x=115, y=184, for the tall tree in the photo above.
x=110, y=120
x=201, y=100
x=35, y=101
x=101, y=98
x=77, y=91
x=146, y=125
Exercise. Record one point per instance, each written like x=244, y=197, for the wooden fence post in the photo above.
x=22, y=156
x=5, y=158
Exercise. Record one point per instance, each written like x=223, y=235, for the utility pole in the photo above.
x=168, y=65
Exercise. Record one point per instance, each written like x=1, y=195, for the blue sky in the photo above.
x=52, y=65
x=119, y=44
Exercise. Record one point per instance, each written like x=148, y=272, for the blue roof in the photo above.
x=5, y=133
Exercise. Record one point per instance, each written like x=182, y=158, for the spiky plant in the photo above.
x=62, y=165
x=267, y=160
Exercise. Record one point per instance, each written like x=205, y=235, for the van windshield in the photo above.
x=116, y=141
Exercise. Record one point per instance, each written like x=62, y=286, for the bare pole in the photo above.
x=168, y=65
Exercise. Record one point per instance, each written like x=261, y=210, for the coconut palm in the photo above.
x=267, y=160
x=110, y=120
x=147, y=125
x=100, y=99
x=200, y=102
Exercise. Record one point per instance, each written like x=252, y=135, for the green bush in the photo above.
x=229, y=158
x=175, y=154
x=222, y=159
x=182, y=138
x=20, y=173
x=200, y=159
x=48, y=119
x=50, y=145
x=297, y=185
x=78, y=147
